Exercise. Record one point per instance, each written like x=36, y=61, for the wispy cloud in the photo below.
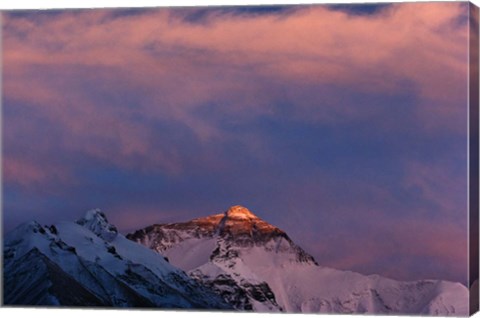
x=355, y=121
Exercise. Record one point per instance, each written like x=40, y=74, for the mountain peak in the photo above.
x=240, y=212
x=239, y=221
x=238, y=227
x=96, y=221
x=95, y=214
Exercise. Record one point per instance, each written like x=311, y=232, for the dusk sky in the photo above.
x=345, y=126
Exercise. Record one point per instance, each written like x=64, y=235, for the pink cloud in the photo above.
x=445, y=188
x=408, y=242
x=28, y=173
x=133, y=217
x=420, y=43
x=369, y=229
x=180, y=67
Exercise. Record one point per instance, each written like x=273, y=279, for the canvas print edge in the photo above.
x=473, y=147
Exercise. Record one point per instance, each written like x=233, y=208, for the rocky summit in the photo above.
x=237, y=226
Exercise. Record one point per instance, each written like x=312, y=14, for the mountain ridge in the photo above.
x=266, y=271
x=107, y=269
x=229, y=261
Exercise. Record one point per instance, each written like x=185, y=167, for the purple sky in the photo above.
x=344, y=126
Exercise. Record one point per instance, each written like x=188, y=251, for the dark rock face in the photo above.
x=239, y=295
x=237, y=226
x=228, y=288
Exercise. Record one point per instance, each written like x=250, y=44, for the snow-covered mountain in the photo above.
x=88, y=263
x=256, y=266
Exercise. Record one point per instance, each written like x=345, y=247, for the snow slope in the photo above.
x=256, y=266
x=101, y=265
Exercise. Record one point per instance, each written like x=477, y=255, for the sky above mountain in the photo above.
x=345, y=126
